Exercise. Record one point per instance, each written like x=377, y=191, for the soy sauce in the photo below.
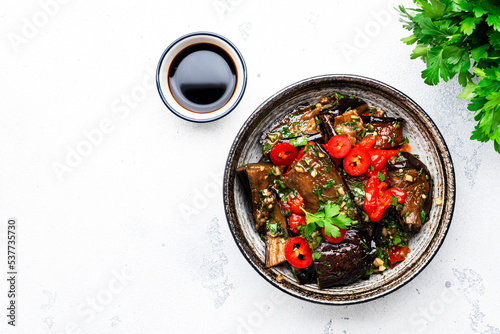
x=202, y=77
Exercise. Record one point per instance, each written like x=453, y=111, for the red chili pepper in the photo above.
x=367, y=142
x=372, y=193
x=377, y=199
x=338, y=146
x=370, y=173
x=396, y=192
x=283, y=154
x=298, y=253
x=296, y=220
x=286, y=207
x=379, y=157
x=356, y=161
x=296, y=203
x=397, y=253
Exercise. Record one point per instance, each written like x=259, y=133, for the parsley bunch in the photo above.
x=461, y=37
x=328, y=217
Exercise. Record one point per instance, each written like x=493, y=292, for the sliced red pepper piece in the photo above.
x=367, y=142
x=283, y=154
x=378, y=199
x=397, y=253
x=338, y=146
x=356, y=162
x=379, y=157
x=298, y=253
x=296, y=220
x=296, y=203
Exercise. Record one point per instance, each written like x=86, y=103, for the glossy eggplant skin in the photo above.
x=344, y=103
x=302, y=121
x=344, y=262
x=315, y=137
x=389, y=131
x=306, y=275
x=408, y=173
x=340, y=106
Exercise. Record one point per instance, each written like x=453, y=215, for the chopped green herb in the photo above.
x=266, y=148
x=422, y=216
x=280, y=183
x=272, y=228
x=329, y=184
x=299, y=141
x=273, y=136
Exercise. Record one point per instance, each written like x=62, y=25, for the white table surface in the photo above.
x=132, y=237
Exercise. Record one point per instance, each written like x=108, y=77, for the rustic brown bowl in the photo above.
x=425, y=139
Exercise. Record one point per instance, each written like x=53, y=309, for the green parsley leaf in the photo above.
x=331, y=210
x=327, y=217
x=461, y=38
x=316, y=255
x=381, y=176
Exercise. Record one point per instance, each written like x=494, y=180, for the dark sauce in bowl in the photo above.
x=202, y=78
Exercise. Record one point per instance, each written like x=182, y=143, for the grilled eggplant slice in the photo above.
x=316, y=179
x=408, y=173
x=344, y=262
x=388, y=131
x=306, y=275
x=328, y=117
x=269, y=219
x=256, y=178
x=302, y=121
x=349, y=124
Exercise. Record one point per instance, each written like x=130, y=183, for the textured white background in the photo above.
x=145, y=203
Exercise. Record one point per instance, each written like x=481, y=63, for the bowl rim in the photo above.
x=361, y=80
x=235, y=100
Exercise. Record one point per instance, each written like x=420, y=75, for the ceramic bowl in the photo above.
x=181, y=44
x=425, y=140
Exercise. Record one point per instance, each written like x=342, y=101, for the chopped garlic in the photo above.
x=341, y=191
x=321, y=155
x=299, y=169
x=382, y=268
x=439, y=201
x=409, y=178
x=314, y=173
x=378, y=262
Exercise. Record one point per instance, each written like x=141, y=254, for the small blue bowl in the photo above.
x=174, y=49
